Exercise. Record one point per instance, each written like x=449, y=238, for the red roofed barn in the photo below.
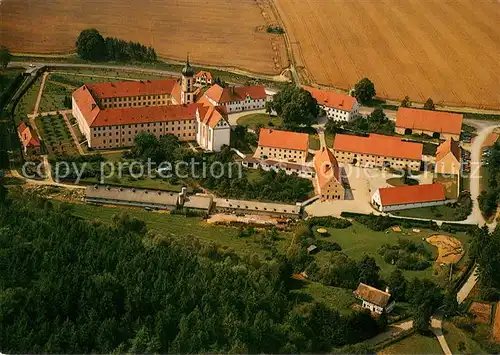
x=338, y=107
x=404, y=197
x=436, y=124
x=282, y=145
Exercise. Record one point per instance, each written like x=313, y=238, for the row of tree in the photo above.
x=489, y=197
x=91, y=45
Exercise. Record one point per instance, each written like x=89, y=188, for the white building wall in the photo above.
x=376, y=201
x=221, y=136
x=245, y=105
x=82, y=123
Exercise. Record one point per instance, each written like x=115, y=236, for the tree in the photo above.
x=422, y=319
x=364, y=90
x=90, y=45
x=333, y=127
x=406, y=102
x=3, y=194
x=429, y=104
x=5, y=57
x=397, y=285
x=378, y=116
x=368, y=271
x=296, y=106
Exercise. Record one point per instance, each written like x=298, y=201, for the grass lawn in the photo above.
x=253, y=119
x=53, y=97
x=185, y=227
x=450, y=185
x=333, y=297
x=443, y=213
x=110, y=73
x=459, y=341
x=414, y=344
x=358, y=240
x=55, y=135
x=314, y=142
x=27, y=103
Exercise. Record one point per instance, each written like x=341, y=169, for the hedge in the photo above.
x=380, y=223
x=329, y=221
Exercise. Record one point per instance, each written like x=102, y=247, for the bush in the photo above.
x=275, y=29
x=328, y=246
x=329, y=221
x=406, y=255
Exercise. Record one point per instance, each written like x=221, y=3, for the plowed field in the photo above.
x=216, y=32
x=448, y=50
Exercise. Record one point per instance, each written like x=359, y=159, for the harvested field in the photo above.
x=496, y=325
x=447, y=50
x=449, y=249
x=481, y=312
x=216, y=32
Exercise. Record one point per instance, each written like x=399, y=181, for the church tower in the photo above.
x=187, y=84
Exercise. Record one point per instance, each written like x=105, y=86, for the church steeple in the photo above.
x=187, y=83
x=188, y=69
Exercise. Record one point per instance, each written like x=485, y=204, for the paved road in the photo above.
x=437, y=329
x=467, y=287
x=393, y=331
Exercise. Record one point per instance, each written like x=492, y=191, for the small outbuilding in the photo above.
x=375, y=300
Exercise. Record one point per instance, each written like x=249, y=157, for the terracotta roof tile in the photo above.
x=86, y=104
x=132, y=88
x=27, y=137
x=326, y=167
x=372, y=295
x=332, y=99
x=146, y=114
x=449, y=145
x=283, y=139
x=402, y=195
x=207, y=74
x=433, y=121
x=238, y=93
x=376, y=144
x=209, y=114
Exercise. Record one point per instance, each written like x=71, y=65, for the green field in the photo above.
x=253, y=119
x=55, y=135
x=441, y=213
x=7, y=76
x=334, y=297
x=358, y=240
x=414, y=344
x=184, y=227
x=459, y=341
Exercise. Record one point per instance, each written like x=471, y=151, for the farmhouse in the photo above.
x=377, y=151
x=237, y=99
x=448, y=156
x=31, y=144
x=203, y=78
x=257, y=208
x=282, y=146
x=110, y=115
x=338, y=107
x=374, y=299
x=436, y=124
x=302, y=171
x=328, y=182
x=388, y=199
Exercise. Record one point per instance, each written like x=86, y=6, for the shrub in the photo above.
x=329, y=221
x=275, y=29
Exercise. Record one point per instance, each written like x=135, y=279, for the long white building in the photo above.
x=338, y=107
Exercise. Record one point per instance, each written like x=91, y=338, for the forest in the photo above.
x=69, y=286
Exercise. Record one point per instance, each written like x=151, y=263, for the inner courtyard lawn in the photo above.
x=253, y=119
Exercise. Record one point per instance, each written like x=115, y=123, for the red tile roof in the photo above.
x=402, y=195
x=332, y=99
x=27, y=137
x=376, y=144
x=86, y=104
x=283, y=139
x=449, y=145
x=207, y=74
x=131, y=88
x=238, y=93
x=433, y=121
x=134, y=115
x=326, y=167
x=209, y=114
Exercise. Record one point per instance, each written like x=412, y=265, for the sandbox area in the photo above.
x=450, y=249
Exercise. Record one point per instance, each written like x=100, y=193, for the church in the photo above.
x=111, y=114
